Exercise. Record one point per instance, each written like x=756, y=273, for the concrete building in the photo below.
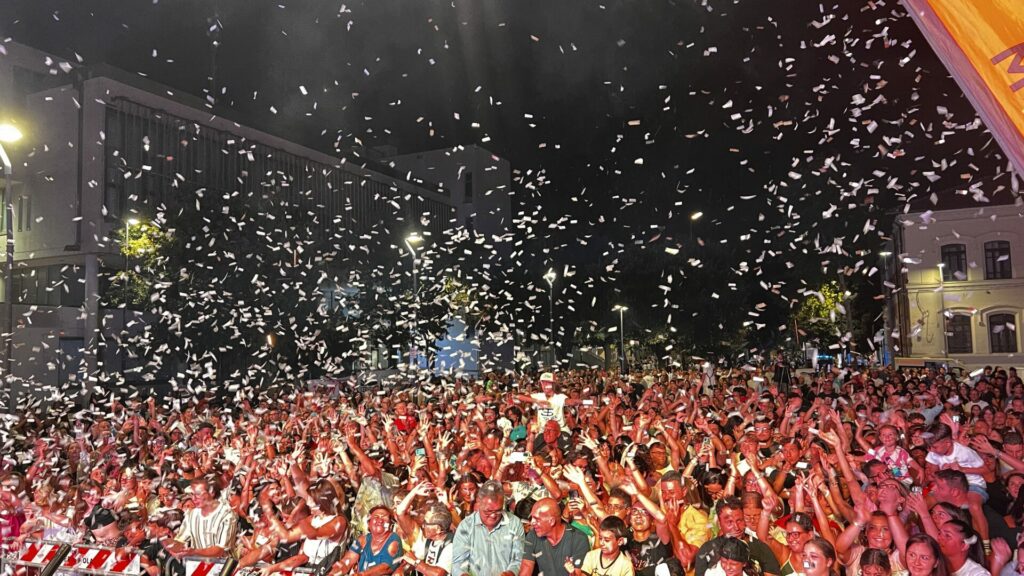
x=480, y=184
x=102, y=147
x=961, y=291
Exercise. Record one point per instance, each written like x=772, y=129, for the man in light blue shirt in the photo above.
x=489, y=542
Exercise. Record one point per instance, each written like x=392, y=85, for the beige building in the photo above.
x=961, y=291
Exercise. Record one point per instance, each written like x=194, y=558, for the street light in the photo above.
x=942, y=313
x=693, y=218
x=128, y=223
x=9, y=134
x=886, y=327
x=550, y=276
x=622, y=337
x=411, y=241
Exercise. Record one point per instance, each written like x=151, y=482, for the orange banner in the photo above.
x=981, y=42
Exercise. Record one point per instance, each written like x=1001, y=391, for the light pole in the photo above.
x=411, y=241
x=942, y=310
x=693, y=218
x=886, y=327
x=8, y=134
x=128, y=223
x=622, y=338
x=550, y=276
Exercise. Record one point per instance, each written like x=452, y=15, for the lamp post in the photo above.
x=886, y=327
x=693, y=218
x=942, y=311
x=622, y=338
x=128, y=223
x=8, y=134
x=550, y=276
x=410, y=242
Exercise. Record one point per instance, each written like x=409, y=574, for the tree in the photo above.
x=819, y=317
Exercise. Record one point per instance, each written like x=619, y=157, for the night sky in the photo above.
x=795, y=127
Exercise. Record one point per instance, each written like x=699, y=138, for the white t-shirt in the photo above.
x=554, y=411
x=965, y=458
x=971, y=568
x=434, y=552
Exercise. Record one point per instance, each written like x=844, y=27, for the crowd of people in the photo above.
x=865, y=472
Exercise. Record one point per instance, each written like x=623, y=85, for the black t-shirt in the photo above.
x=998, y=497
x=647, y=555
x=563, y=443
x=550, y=560
x=762, y=559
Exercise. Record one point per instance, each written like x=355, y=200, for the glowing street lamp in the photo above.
x=550, y=276
x=693, y=218
x=411, y=241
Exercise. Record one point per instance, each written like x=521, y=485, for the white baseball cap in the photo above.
x=547, y=377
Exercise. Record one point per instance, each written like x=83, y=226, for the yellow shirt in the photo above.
x=622, y=566
x=693, y=525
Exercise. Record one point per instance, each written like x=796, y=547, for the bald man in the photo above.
x=551, y=542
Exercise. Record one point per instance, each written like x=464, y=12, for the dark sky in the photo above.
x=794, y=126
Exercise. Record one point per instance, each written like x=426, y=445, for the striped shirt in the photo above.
x=215, y=529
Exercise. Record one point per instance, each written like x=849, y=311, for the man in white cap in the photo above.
x=550, y=403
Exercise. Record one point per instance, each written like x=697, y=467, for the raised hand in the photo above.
x=573, y=474
x=1001, y=552
x=982, y=444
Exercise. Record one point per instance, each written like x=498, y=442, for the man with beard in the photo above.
x=733, y=524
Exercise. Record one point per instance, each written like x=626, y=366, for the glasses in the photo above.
x=795, y=534
x=492, y=512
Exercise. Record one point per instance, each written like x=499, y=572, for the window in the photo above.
x=997, y=260
x=958, y=334
x=1002, y=333
x=468, y=197
x=24, y=213
x=954, y=260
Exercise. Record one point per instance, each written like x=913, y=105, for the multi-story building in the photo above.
x=960, y=294
x=101, y=148
x=481, y=187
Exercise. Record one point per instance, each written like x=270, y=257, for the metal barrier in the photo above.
x=85, y=559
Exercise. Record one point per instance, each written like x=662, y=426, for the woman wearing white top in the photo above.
x=322, y=530
x=962, y=548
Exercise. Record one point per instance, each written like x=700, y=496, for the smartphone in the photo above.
x=574, y=494
x=802, y=465
x=517, y=457
x=956, y=418
x=915, y=489
x=743, y=468
x=588, y=402
x=421, y=451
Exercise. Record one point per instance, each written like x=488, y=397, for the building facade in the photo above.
x=102, y=148
x=961, y=287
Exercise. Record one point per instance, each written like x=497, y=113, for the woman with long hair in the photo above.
x=924, y=557
x=961, y=546
x=819, y=557
x=799, y=531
